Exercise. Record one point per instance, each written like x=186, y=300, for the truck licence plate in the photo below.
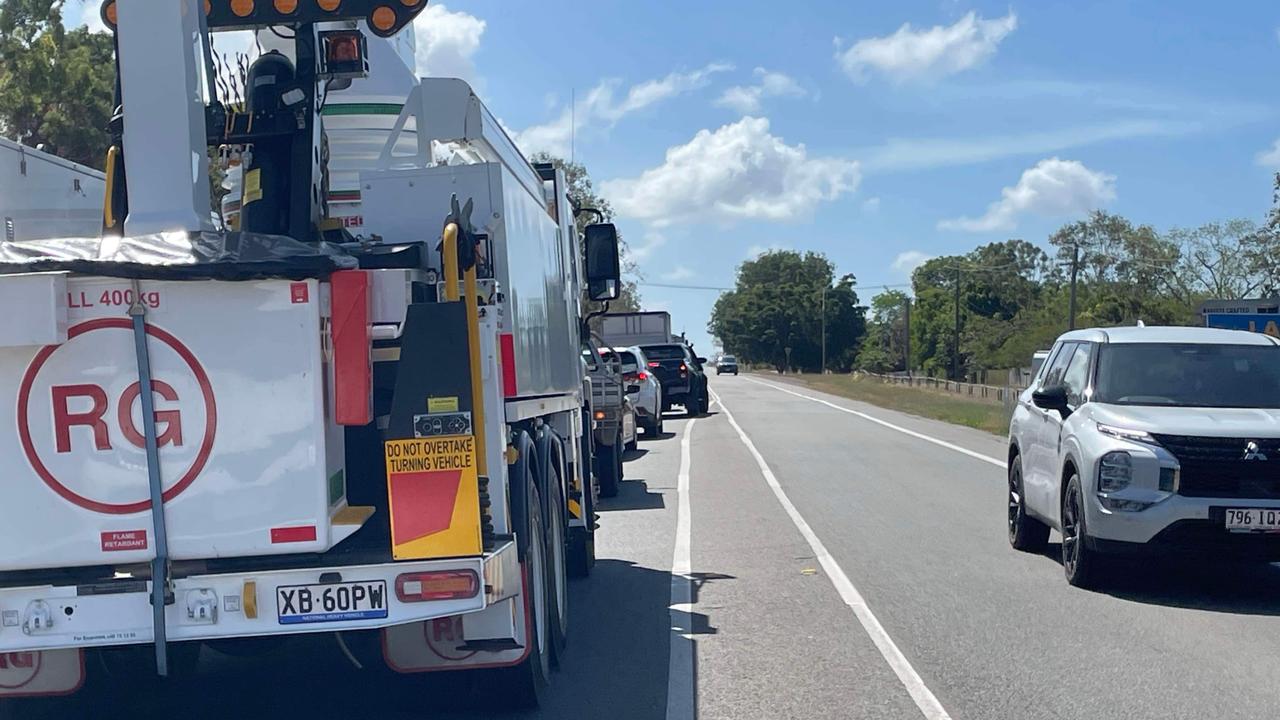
x=339, y=602
x=1253, y=519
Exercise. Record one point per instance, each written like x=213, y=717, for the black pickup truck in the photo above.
x=684, y=382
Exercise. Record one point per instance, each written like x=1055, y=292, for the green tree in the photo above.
x=779, y=302
x=583, y=194
x=885, y=344
x=56, y=85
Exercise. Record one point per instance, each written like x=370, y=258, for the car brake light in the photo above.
x=437, y=585
x=642, y=376
x=684, y=368
x=654, y=364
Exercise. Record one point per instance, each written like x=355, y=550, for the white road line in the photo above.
x=941, y=443
x=920, y=693
x=680, y=690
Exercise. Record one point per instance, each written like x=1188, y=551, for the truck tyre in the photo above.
x=1025, y=532
x=1081, y=564
x=522, y=686
x=582, y=540
x=609, y=467
x=557, y=517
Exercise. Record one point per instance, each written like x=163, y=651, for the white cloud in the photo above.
x=602, y=105
x=871, y=206
x=747, y=99
x=652, y=241
x=90, y=16
x=922, y=153
x=447, y=42
x=911, y=54
x=910, y=260
x=680, y=272
x=736, y=172
x=756, y=251
x=1053, y=188
x=1269, y=158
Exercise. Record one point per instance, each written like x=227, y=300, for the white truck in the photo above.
x=383, y=439
x=636, y=328
x=45, y=196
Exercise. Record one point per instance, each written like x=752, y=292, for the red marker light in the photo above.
x=654, y=364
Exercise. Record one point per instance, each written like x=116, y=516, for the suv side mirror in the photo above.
x=604, y=270
x=701, y=360
x=1051, y=398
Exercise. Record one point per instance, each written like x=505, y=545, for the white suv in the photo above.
x=1145, y=438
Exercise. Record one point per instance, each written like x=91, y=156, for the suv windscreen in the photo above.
x=1189, y=375
x=728, y=359
x=664, y=352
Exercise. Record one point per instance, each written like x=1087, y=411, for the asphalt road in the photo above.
x=866, y=574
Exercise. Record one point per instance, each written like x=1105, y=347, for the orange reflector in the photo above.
x=342, y=48
x=328, y=5
x=599, y=414
x=286, y=7
x=208, y=7
x=110, y=14
x=249, y=599
x=438, y=585
x=410, y=3
x=384, y=18
x=242, y=8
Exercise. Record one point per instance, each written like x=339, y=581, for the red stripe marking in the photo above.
x=508, y=342
x=352, y=341
x=282, y=535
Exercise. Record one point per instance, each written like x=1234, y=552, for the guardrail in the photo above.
x=1002, y=395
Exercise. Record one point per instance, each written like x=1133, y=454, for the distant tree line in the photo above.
x=1015, y=297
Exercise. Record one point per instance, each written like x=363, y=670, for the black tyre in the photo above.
x=617, y=457
x=1081, y=564
x=657, y=427
x=557, y=565
x=1025, y=532
x=522, y=687
x=582, y=540
x=609, y=468
x=635, y=442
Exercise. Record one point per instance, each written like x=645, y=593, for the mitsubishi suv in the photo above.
x=1163, y=440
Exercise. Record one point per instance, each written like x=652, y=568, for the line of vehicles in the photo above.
x=352, y=402
x=639, y=371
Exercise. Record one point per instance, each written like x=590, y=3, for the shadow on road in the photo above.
x=636, y=454
x=1237, y=587
x=632, y=495
x=615, y=667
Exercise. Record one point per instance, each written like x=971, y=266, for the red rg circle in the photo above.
x=35, y=672
x=206, y=444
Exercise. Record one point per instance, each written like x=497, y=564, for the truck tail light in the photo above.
x=599, y=414
x=437, y=585
x=654, y=364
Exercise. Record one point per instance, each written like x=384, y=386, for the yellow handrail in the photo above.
x=108, y=212
x=450, y=251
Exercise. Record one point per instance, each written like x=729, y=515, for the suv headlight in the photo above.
x=1115, y=472
x=1139, y=436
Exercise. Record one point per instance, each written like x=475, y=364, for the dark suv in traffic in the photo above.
x=680, y=371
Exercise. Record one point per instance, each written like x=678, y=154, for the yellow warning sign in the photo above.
x=252, y=187
x=442, y=404
x=434, y=494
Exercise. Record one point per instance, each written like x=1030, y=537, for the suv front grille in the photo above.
x=1217, y=466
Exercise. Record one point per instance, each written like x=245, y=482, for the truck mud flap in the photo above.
x=41, y=674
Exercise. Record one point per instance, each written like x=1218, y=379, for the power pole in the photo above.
x=1075, y=265
x=955, y=357
x=907, y=361
x=824, y=330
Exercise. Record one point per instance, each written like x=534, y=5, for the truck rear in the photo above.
x=223, y=436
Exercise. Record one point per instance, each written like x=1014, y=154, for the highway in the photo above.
x=843, y=561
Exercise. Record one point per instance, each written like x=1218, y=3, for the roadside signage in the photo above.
x=1268, y=323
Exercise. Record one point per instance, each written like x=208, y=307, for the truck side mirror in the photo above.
x=604, y=269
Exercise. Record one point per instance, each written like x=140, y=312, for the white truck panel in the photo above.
x=529, y=258
x=247, y=443
x=43, y=196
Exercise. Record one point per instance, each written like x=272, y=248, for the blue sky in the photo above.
x=877, y=133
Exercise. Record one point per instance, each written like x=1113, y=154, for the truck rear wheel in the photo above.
x=582, y=540
x=521, y=687
x=609, y=467
x=558, y=562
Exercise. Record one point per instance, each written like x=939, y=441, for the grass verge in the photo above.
x=987, y=416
